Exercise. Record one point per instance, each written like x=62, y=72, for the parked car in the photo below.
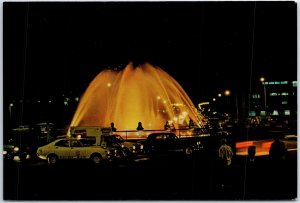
x=13, y=151
x=72, y=148
x=134, y=147
x=168, y=143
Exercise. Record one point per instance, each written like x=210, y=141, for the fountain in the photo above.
x=144, y=94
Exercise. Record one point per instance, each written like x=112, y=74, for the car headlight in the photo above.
x=16, y=149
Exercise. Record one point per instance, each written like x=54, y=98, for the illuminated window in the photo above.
x=294, y=83
x=263, y=113
x=284, y=82
x=252, y=113
x=287, y=112
x=275, y=113
x=265, y=83
x=277, y=82
x=271, y=83
x=284, y=93
x=284, y=102
x=255, y=96
x=273, y=94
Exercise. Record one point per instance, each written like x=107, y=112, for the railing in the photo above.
x=143, y=134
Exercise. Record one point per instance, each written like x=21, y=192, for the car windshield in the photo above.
x=118, y=138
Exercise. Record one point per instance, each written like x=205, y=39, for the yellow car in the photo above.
x=71, y=148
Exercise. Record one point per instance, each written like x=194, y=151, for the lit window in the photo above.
x=284, y=93
x=263, y=113
x=284, y=102
x=287, y=112
x=271, y=83
x=273, y=94
x=277, y=82
x=275, y=113
x=265, y=83
x=284, y=82
x=252, y=113
x=294, y=83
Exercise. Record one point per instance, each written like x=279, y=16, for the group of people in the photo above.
x=114, y=129
x=277, y=154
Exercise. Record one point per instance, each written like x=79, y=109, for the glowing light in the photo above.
x=262, y=79
x=243, y=144
x=227, y=92
x=214, y=99
x=219, y=95
x=134, y=97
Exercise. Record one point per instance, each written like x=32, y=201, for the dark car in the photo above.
x=20, y=145
x=14, y=150
x=169, y=143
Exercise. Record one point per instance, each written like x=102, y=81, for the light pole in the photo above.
x=10, y=108
x=228, y=93
x=262, y=80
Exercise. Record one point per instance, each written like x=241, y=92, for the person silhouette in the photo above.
x=277, y=150
x=167, y=126
x=140, y=126
x=112, y=125
x=191, y=124
x=225, y=157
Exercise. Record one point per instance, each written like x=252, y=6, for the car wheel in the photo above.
x=188, y=151
x=96, y=158
x=52, y=159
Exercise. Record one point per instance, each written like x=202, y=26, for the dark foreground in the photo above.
x=164, y=178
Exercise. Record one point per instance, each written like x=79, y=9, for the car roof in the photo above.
x=162, y=133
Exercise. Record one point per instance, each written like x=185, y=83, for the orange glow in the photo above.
x=144, y=94
x=243, y=144
x=267, y=145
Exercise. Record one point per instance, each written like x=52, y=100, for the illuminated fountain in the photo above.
x=144, y=94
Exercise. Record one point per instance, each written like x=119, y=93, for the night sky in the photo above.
x=56, y=48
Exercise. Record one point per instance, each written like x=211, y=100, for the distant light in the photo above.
x=11, y=104
x=262, y=79
x=39, y=101
x=108, y=84
x=227, y=92
x=158, y=97
x=214, y=99
x=77, y=99
x=165, y=101
x=50, y=101
x=219, y=95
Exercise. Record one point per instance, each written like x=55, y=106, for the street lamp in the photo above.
x=262, y=80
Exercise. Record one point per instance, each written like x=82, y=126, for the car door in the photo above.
x=77, y=150
x=170, y=143
x=62, y=149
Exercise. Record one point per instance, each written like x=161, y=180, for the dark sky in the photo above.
x=55, y=48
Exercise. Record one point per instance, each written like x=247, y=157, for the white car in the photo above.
x=73, y=149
